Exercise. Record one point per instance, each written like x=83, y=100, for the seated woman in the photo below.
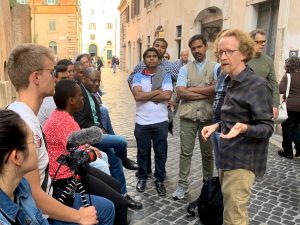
x=17, y=157
x=59, y=126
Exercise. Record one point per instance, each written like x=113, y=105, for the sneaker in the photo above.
x=180, y=192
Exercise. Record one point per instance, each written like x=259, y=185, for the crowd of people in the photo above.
x=230, y=104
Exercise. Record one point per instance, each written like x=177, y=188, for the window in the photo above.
x=108, y=43
x=92, y=26
x=127, y=14
x=92, y=36
x=109, y=26
x=178, y=31
x=147, y=3
x=148, y=41
x=52, y=25
x=22, y=1
x=92, y=11
x=53, y=46
x=135, y=8
x=51, y=2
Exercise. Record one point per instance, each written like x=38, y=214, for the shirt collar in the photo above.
x=242, y=76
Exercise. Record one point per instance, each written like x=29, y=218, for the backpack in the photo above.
x=209, y=203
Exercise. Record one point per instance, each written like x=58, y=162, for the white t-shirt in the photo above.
x=149, y=112
x=32, y=121
x=47, y=107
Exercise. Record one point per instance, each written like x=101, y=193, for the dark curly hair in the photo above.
x=292, y=64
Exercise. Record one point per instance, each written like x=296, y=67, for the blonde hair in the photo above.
x=25, y=59
x=246, y=44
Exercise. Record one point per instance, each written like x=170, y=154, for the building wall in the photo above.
x=192, y=14
x=15, y=29
x=66, y=15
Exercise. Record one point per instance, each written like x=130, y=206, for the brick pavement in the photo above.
x=275, y=199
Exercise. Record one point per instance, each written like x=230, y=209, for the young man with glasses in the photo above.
x=195, y=88
x=263, y=66
x=246, y=125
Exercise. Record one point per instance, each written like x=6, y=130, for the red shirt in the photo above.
x=57, y=128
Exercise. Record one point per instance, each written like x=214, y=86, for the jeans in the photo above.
x=105, y=210
x=291, y=133
x=215, y=139
x=118, y=143
x=116, y=169
x=105, y=119
x=114, y=67
x=188, y=133
x=158, y=134
x=101, y=163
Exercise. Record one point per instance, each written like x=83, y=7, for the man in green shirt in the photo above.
x=263, y=66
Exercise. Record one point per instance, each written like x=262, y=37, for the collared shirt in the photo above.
x=220, y=90
x=165, y=64
x=183, y=76
x=22, y=210
x=248, y=100
x=93, y=108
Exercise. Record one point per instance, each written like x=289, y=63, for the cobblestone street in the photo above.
x=275, y=199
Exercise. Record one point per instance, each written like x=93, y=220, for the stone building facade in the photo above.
x=144, y=20
x=15, y=29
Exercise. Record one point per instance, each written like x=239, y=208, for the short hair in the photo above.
x=161, y=39
x=82, y=56
x=246, y=44
x=257, y=31
x=25, y=59
x=87, y=72
x=64, y=62
x=150, y=50
x=59, y=69
x=292, y=64
x=197, y=37
x=64, y=89
x=13, y=134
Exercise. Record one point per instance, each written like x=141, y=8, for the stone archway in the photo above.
x=93, y=50
x=209, y=22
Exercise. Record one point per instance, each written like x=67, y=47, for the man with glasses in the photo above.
x=263, y=66
x=195, y=88
x=246, y=125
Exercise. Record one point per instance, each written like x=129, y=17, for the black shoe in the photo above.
x=130, y=164
x=160, y=188
x=133, y=204
x=141, y=185
x=282, y=153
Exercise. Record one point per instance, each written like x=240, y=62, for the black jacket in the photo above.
x=85, y=117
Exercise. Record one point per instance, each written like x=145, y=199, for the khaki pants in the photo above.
x=188, y=132
x=236, y=189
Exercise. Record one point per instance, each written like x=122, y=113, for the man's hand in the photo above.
x=171, y=104
x=208, y=130
x=238, y=128
x=275, y=113
x=88, y=215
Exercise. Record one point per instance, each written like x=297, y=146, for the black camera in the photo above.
x=77, y=160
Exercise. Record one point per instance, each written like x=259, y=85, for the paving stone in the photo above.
x=275, y=196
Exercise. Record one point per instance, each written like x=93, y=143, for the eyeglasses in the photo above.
x=52, y=71
x=261, y=42
x=227, y=53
